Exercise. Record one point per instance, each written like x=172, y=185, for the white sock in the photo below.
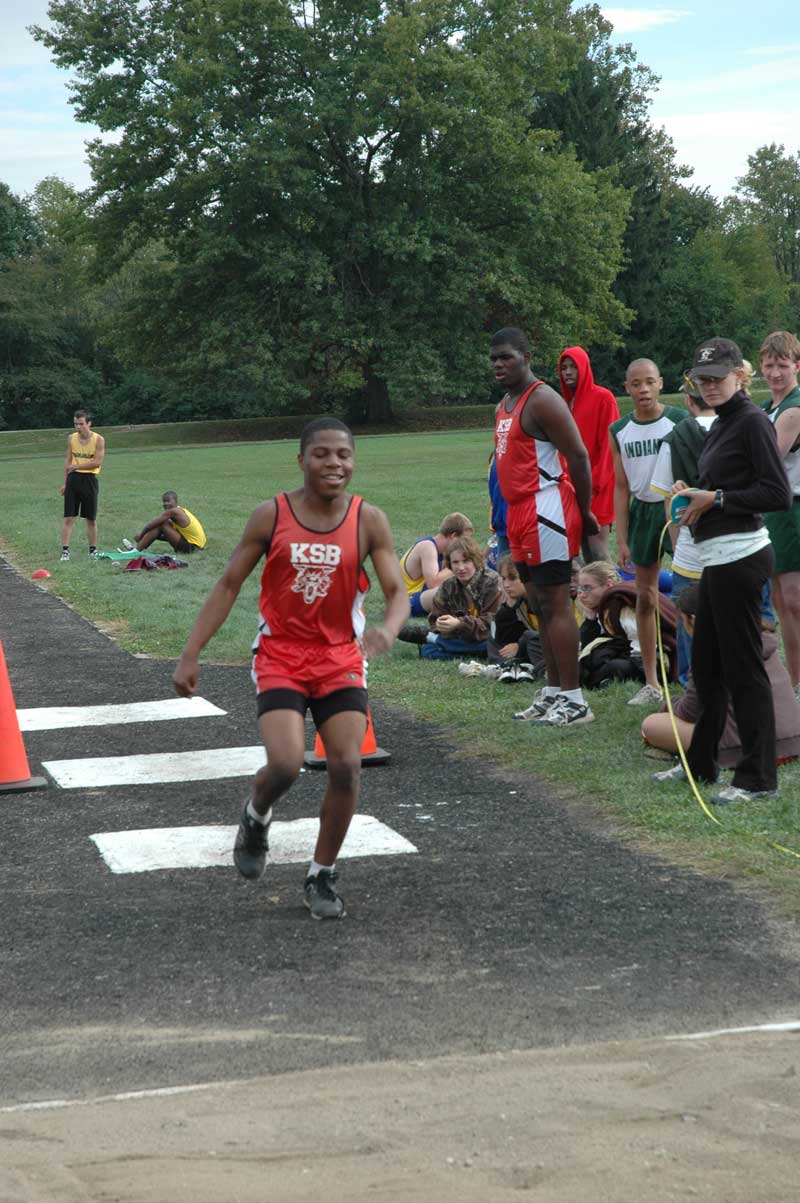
x=574, y=695
x=262, y=819
x=551, y=691
x=315, y=867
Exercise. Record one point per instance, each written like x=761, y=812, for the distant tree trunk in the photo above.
x=378, y=407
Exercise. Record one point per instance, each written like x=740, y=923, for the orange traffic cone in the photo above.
x=14, y=771
x=370, y=752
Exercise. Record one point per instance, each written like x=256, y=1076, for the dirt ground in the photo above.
x=714, y=1119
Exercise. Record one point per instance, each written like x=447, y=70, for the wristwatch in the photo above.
x=719, y=500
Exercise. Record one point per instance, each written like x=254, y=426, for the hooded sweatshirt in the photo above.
x=594, y=409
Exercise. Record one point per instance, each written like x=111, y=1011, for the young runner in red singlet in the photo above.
x=544, y=475
x=312, y=643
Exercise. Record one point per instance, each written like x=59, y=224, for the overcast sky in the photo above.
x=726, y=88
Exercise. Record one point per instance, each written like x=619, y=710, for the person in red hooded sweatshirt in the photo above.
x=594, y=408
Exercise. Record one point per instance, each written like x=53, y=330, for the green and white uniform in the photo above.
x=784, y=527
x=638, y=444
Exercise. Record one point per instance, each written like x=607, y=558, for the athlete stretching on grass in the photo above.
x=311, y=645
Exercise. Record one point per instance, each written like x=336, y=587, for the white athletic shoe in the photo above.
x=648, y=695
x=127, y=545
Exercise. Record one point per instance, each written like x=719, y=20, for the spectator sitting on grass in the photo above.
x=514, y=641
x=175, y=525
x=609, y=639
x=657, y=729
x=463, y=606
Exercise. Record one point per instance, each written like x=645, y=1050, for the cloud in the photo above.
x=781, y=50
x=641, y=20
x=717, y=143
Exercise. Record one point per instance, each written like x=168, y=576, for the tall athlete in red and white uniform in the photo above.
x=544, y=474
x=312, y=643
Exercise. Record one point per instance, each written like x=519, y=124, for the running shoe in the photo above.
x=538, y=708
x=251, y=846
x=413, y=633
x=648, y=695
x=127, y=545
x=93, y=554
x=472, y=668
x=321, y=898
x=64, y=557
x=525, y=672
x=509, y=674
x=732, y=793
x=566, y=713
x=676, y=773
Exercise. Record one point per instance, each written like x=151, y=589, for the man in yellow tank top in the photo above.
x=176, y=525
x=81, y=488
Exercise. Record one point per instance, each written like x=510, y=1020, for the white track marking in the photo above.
x=792, y=1026
x=49, y=718
x=157, y=767
x=209, y=847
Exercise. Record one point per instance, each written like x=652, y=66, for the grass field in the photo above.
x=416, y=478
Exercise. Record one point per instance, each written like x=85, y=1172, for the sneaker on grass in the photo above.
x=414, y=632
x=64, y=556
x=251, y=846
x=321, y=898
x=509, y=674
x=733, y=793
x=525, y=672
x=472, y=668
x=648, y=695
x=676, y=773
x=127, y=545
x=538, y=708
x=566, y=713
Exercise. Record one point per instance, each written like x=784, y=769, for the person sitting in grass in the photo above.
x=514, y=642
x=609, y=637
x=658, y=731
x=175, y=525
x=423, y=564
x=463, y=606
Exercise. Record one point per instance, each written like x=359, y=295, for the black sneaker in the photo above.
x=251, y=847
x=413, y=632
x=321, y=898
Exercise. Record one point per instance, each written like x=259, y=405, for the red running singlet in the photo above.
x=313, y=585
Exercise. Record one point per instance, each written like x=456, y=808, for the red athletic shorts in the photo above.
x=545, y=526
x=312, y=669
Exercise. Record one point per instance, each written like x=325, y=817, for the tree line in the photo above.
x=326, y=205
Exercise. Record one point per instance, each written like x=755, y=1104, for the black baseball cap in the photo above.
x=716, y=357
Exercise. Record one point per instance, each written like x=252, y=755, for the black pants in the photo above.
x=727, y=663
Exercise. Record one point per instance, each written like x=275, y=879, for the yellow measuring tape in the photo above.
x=662, y=662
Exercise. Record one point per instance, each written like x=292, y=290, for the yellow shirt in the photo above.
x=193, y=533
x=83, y=452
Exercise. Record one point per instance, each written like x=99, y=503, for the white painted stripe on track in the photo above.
x=156, y=767
x=127, y=1096
x=211, y=847
x=50, y=718
x=792, y=1025
x=231, y=1083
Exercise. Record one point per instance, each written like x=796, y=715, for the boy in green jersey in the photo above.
x=635, y=441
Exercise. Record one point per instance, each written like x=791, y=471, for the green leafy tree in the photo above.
x=347, y=193
x=769, y=196
x=603, y=113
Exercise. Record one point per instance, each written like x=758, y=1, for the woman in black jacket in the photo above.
x=741, y=476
